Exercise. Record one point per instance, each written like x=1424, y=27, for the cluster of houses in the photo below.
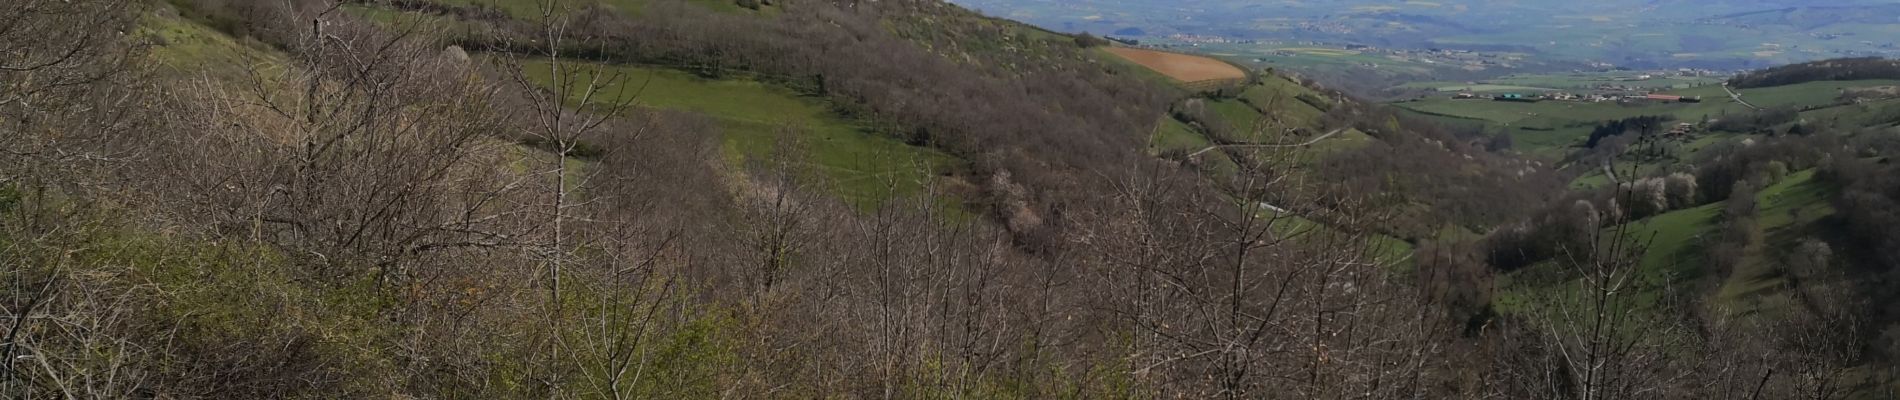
x=1681, y=131
x=1196, y=40
x=1859, y=95
x=1464, y=59
x=1584, y=98
x=1698, y=72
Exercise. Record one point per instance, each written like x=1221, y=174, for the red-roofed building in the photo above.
x=1663, y=97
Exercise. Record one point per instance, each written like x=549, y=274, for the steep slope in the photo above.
x=377, y=213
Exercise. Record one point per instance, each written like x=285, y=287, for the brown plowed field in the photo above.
x=1183, y=67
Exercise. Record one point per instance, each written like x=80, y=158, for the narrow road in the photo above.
x=1611, y=173
x=1738, y=97
x=1268, y=146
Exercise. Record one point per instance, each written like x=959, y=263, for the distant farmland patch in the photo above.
x=1182, y=67
x=1493, y=88
x=1317, y=51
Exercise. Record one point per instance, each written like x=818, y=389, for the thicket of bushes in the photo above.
x=1647, y=125
x=1758, y=121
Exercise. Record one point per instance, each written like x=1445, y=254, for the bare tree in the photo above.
x=1608, y=331
x=66, y=92
x=1825, y=336
x=779, y=226
x=1807, y=352
x=66, y=103
x=363, y=151
x=1231, y=297
x=597, y=95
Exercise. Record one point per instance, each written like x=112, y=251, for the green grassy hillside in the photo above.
x=1787, y=213
x=181, y=46
x=1262, y=112
x=858, y=163
x=865, y=167
x=1173, y=135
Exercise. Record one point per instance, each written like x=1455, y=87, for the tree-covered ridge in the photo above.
x=1844, y=69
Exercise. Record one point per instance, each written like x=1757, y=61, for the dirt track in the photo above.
x=1268, y=146
x=1183, y=67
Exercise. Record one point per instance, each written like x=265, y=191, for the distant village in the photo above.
x=1466, y=59
x=1469, y=60
x=1581, y=98
x=1609, y=91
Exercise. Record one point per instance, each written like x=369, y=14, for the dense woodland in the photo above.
x=371, y=211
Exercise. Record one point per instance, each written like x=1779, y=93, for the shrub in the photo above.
x=1086, y=40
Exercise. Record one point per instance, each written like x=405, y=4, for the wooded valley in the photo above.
x=683, y=199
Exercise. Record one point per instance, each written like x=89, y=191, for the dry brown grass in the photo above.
x=1182, y=67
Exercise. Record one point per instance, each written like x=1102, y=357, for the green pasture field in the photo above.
x=1280, y=97
x=1173, y=135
